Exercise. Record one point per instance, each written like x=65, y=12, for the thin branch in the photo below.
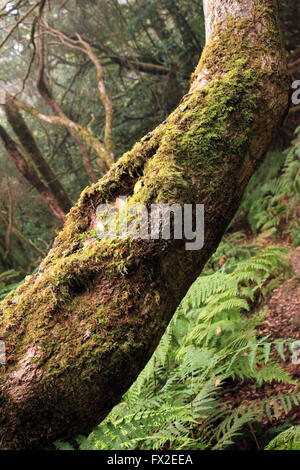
x=49, y=98
x=16, y=24
x=10, y=217
x=20, y=235
x=5, y=12
x=133, y=63
x=85, y=47
x=106, y=101
x=104, y=158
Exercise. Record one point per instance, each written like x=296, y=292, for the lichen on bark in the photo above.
x=80, y=330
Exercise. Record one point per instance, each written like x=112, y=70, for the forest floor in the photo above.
x=282, y=321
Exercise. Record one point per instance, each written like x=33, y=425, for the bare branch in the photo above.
x=85, y=47
x=49, y=98
x=104, y=159
x=7, y=11
x=16, y=24
x=20, y=235
x=104, y=97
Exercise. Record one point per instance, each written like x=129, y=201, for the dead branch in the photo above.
x=49, y=98
x=20, y=235
x=85, y=47
x=16, y=24
x=104, y=159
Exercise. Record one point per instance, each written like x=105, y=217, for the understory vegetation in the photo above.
x=178, y=400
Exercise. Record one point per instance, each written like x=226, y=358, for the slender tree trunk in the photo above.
x=31, y=148
x=79, y=331
x=31, y=175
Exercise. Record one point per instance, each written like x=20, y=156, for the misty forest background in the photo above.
x=226, y=373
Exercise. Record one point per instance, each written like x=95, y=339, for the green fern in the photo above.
x=272, y=197
x=287, y=440
x=175, y=402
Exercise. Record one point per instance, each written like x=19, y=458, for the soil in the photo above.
x=282, y=320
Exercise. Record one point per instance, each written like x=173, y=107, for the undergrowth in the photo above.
x=272, y=199
x=175, y=402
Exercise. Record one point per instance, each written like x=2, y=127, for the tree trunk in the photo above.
x=31, y=148
x=79, y=331
x=31, y=175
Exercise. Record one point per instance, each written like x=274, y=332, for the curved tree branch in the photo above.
x=104, y=159
x=48, y=97
x=30, y=174
x=18, y=22
x=85, y=47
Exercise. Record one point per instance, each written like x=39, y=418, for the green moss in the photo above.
x=92, y=303
x=195, y=142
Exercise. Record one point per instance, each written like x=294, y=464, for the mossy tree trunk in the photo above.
x=79, y=331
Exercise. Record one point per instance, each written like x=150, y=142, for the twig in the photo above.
x=16, y=24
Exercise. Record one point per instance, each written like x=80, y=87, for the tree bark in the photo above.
x=79, y=331
x=31, y=148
